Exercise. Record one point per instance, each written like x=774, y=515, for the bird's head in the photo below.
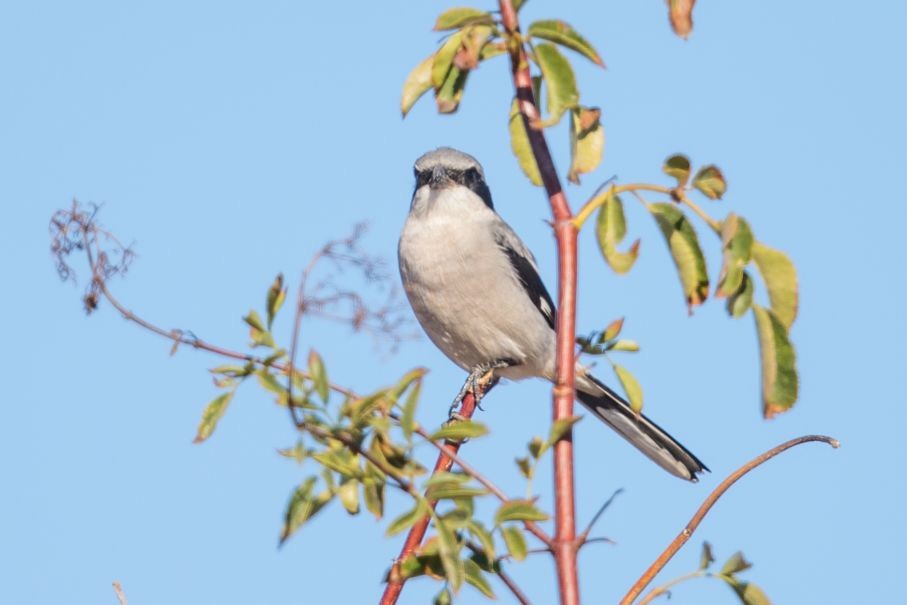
x=445, y=168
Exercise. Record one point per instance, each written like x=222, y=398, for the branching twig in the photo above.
x=703, y=510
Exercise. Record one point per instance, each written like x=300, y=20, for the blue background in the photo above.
x=229, y=141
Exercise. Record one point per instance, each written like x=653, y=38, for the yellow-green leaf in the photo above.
x=518, y=510
x=610, y=229
x=740, y=301
x=515, y=541
x=407, y=519
x=780, y=278
x=269, y=382
x=631, y=346
x=476, y=578
x=631, y=387
x=302, y=507
x=448, y=551
x=349, y=496
x=212, y=414
x=587, y=142
x=443, y=598
x=319, y=375
x=408, y=415
x=483, y=536
x=750, y=594
x=558, y=429
x=276, y=295
x=373, y=493
x=557, y=31
x=710, y=182
x=519, y=144
x=559, y=80
x=684, y=246
x=736, y=563
x=678, y=166
x=443, y=59
x=448, y=97
x=459, y=430
x=455, y=18
x=737, y=245
x=779, y=371
x=613, y=330
x=417, y=83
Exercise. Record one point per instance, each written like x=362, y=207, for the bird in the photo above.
x=475, y=289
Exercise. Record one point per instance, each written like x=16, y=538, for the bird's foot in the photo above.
x=480, y=380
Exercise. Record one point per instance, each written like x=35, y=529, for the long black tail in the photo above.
x=644, y=434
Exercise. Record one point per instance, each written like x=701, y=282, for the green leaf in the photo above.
x=779, y=371
x=741, y=301
x=561, y=33
x=407, y=519
x=558, y=428
x=536, y=446
x=443, y=59
x=515, y=540
x=342, y=461
x=678, y=166
x=476, y=578
x=483, y=536
x=417, y=83
x=559, y=78
x=276, y=295
x=318, y=375
x=456, y=18
x=349, y=496
x=710, y=182
x=749, y=593
x=610, y=229
x=254, y=321
x=780, y=278
x=449, y=550
x=373, y=493
x=448, y=97
x=408, y=415
x=297, y=452
x=737, y=246
x=302, y=507
x=460, y=430
x=269, y=382
x=735, y=564
x=519, y=144
x=518, y=510
x=233, y=371
x=587, y=141
x=525, y=467
x=612, y=331
x=443, y=598
x=624, y=345
x=631, y=387
x=706, y=558
x=451, y=491
x=685, y=250
x=212, y=414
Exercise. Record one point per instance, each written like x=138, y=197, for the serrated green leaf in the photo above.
x=587, y=142
x=349, y=496
x=737, y=250
x=276, y=296
x=779, y=371
x=460, y=430
x=484, y=537
x=678, y=166
x=706, y=558
x=780, y=277
x=212, y=414
x=741, y=301
x=631, y=387
x=610, y=229
x=449, y=552
x=735, y=564
x=455, y=18
x=407, y=519
x=477, y=579
x=710, y=182
x=319, y=376
x=515, y=541
x=417, y=83
x=561, y=33
x=519, y=144
x=559, y=80
x=518, y=510
x=684, y=246
x=443, y=59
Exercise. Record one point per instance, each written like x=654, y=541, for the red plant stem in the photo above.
x=417, y=532
x=565, y=544
x=704, y=508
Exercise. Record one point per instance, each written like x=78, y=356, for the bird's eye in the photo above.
x=422, y=178
x=472, y=175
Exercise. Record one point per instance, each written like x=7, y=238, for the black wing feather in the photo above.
x=529, y=277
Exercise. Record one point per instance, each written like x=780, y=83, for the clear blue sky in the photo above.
x=229, y=141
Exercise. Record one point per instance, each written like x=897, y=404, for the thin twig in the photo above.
x=703, y=510
x=118, y=588
x=583, y=537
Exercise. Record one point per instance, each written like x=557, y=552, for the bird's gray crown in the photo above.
x=449, y=159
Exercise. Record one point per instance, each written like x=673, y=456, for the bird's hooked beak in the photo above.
x=439, y=177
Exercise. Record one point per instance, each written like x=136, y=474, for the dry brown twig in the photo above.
x=118, y=589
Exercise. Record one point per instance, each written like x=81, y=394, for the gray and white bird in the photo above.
x=476, y=290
